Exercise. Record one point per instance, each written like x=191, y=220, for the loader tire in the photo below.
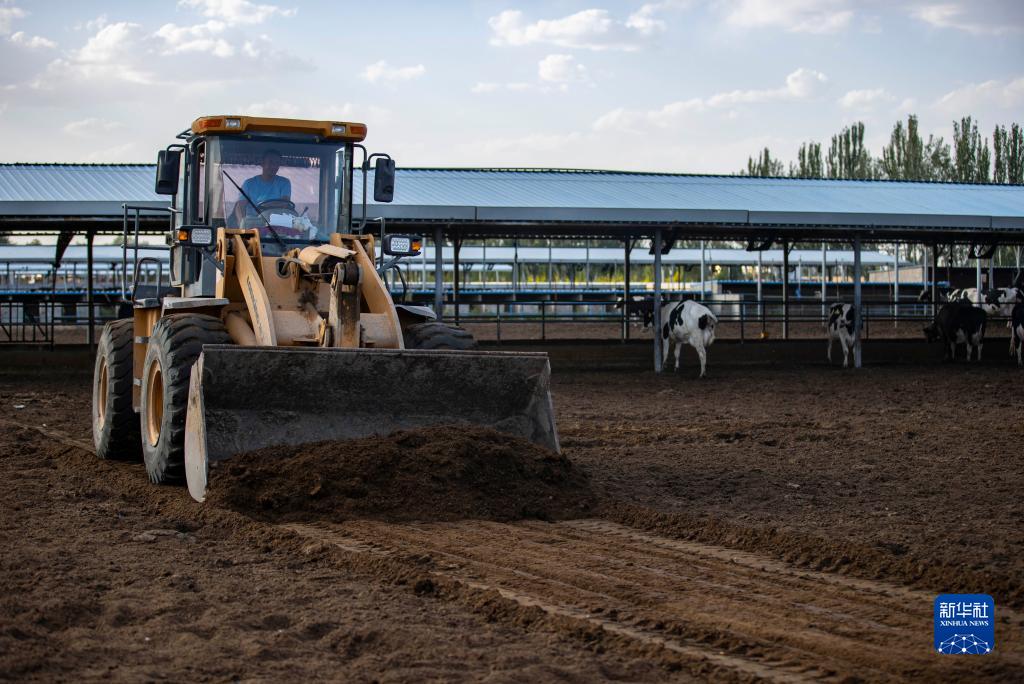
x=174, y=346
x=436, y=335
x=115, y=427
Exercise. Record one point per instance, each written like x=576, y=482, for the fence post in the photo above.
x=742, y=307
x=543, y=309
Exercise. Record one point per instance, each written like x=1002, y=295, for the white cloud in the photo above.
x=199, y=38
x=110, y=43
x=646, y=21
x=801, y=84
x=114, y=154
x=561, y=69
x=518, y=147
x=282, y=108
x=93, y=24
x=796, y=16
x=87, y=128
x=622, y=119
x=236, y=11
x=906, y=106
x=969, y=98
x=591, y=29
x=385, y=73
x=554, y=74
x=110, y=56
x=32, y=42
x=491, y=87
x=7, y=17
x=976, y=17
x=864, y=99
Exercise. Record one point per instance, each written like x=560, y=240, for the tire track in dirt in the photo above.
x=737, y=611
x=733, y=613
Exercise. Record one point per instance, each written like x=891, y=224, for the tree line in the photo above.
x=969, y=159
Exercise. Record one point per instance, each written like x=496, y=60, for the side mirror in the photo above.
x=384, y=180
x=168, y=165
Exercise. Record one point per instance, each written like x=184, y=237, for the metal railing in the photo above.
x=740, y=317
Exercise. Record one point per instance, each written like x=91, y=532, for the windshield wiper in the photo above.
x=253, y=205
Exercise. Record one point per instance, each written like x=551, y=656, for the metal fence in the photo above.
x=37, y=321
x=746, y=318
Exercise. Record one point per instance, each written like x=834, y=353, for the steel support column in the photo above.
x=627, y=248
x=824, y=280
x=456, y=272
x=439, y=272
x=657, y=301
x=857, y=318
x=935, y=277
x=90, y=298
x=785, y=289
x=896, y=287
x=760, y=296
x=702, y=277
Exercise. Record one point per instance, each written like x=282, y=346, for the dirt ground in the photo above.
x=777, y=521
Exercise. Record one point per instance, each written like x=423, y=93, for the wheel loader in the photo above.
x=278, y=327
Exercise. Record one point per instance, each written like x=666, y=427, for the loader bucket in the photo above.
x=246, y=398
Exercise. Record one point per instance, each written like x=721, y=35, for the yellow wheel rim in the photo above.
x=101, y=393
x=154, y=402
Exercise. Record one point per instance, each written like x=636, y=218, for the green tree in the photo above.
x=764, y=165
x=808, y=162
x=972, y=159
x=847, y=157
x=1008, y=151
x=908, y=157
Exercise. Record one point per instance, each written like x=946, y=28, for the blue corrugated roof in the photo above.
x=619, y=190
x=77, y=183
x=547, y=196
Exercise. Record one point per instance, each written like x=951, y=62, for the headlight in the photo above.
x=402, y=245
x=197, y=236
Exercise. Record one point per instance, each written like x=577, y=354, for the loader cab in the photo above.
x=303, y=197
x=222, y=182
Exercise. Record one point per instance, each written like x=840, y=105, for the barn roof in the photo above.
x=496, y=197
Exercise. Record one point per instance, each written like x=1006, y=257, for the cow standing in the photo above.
x=840, y=327
x=687, y=322
x=999, y=301
x=958, y=323
x=637, y=308
x=1017, y=332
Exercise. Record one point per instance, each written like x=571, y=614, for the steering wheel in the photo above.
x=277, y=204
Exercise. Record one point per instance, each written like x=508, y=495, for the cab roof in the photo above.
x=236, y=123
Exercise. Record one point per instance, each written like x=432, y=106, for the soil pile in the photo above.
x=435, y=474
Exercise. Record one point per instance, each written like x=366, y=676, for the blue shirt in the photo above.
x=260, y=191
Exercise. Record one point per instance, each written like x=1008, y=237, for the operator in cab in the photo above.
x=265, y=187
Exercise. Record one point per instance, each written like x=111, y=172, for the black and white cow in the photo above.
x=638, y=308
x=1017, y=332
x=999, y=301
x=968, y=295
x=687, y=322
x=958, y=323
x=840, y=327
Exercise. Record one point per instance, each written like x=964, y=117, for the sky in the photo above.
x=674, y=85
